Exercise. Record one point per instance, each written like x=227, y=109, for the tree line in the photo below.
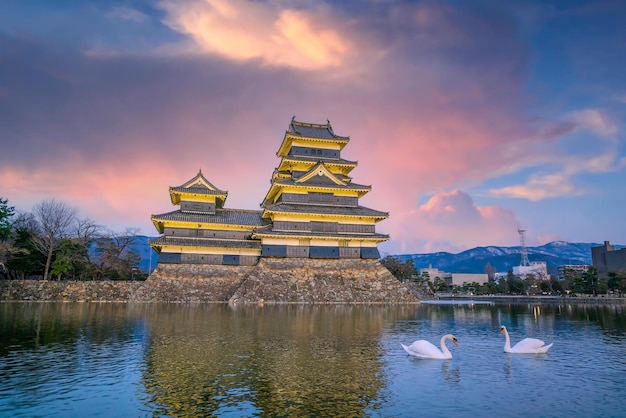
x=573, y=283
x=53, y=242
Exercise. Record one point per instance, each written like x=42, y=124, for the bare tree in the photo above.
x=114, y=256
x=56, y=220
x=86, y=233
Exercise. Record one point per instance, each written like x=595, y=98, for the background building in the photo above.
x=537, y=268
x=607, y=259
x=568, y=269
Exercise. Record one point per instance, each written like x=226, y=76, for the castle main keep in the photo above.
x=311, y=210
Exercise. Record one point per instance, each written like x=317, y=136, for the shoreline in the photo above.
x=597, y=300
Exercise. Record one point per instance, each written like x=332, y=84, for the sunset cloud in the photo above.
x=452, y=221
x=601, y=156
x=248, y=30
x=540, y=187
x=595, y=121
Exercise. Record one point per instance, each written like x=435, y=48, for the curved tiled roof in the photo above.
x=324, y=209
x=315, y=159
x=323, y=182
x=197, y=190
x=221, y=216
x=271, y=232
x=205, y=242
x=313, y=130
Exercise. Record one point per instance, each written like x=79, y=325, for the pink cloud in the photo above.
x=452, y=222
x=248, y=30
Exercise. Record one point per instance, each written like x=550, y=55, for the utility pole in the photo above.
x=524, y=261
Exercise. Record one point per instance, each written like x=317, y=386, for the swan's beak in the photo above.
x=501, y=330
x=455, y=342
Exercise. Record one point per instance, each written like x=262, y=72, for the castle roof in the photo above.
x=199, y=184
x=310, y=133
x=269, y=230
x=198, y=187
x=316, y=158
x=203, y=242
x=326, y=209
x=221, y=216
x=313, y=130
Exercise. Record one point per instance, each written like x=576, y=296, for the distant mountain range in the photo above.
x=502, y=259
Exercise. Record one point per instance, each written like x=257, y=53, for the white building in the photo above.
x=454, y=278
x=460, y=278
x=576, y=269
x=538, y=268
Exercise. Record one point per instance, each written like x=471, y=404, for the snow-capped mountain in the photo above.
x=502, y=259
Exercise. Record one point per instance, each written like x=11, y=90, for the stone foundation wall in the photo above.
x=273, y=280
x=279, y=280
x=192, y=283
x=67, y=291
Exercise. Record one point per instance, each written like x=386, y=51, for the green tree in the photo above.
x=530, y=284
x=6, y=213
x=617, y=281
x=556, y=286
x=25, y=259
x=75, y=260
x=61, y=265
x=514, y=284
x=590, y=282
x=489, y=288
x=6, y=246
x=440, y=285
x=401, y=271
x=508, y=282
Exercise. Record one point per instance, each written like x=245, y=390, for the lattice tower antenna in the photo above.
x=524, y=261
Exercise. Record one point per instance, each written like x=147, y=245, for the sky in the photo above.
x=470, y=120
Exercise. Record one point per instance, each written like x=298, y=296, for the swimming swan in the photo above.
x=425, y=349
x=526, y=346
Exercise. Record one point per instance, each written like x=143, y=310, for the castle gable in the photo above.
x=320, y=174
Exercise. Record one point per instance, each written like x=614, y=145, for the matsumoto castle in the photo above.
x=311, y=210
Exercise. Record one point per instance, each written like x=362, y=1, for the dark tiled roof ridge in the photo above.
x=203, y=190
x=335, y=235
x=216, y=210
x=331, y=209
x=310, y=124
x=200, y=176
x=249, y=218
x=294, y=124
x=317, y=158
x=349, y=185
x=206, y=242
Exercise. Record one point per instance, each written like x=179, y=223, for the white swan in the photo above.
x=425, y=349
x=526, y=346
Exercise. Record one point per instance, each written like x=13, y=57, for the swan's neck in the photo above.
x=444, y=348
x=507, y=341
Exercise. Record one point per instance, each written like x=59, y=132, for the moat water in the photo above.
x=135, y=360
